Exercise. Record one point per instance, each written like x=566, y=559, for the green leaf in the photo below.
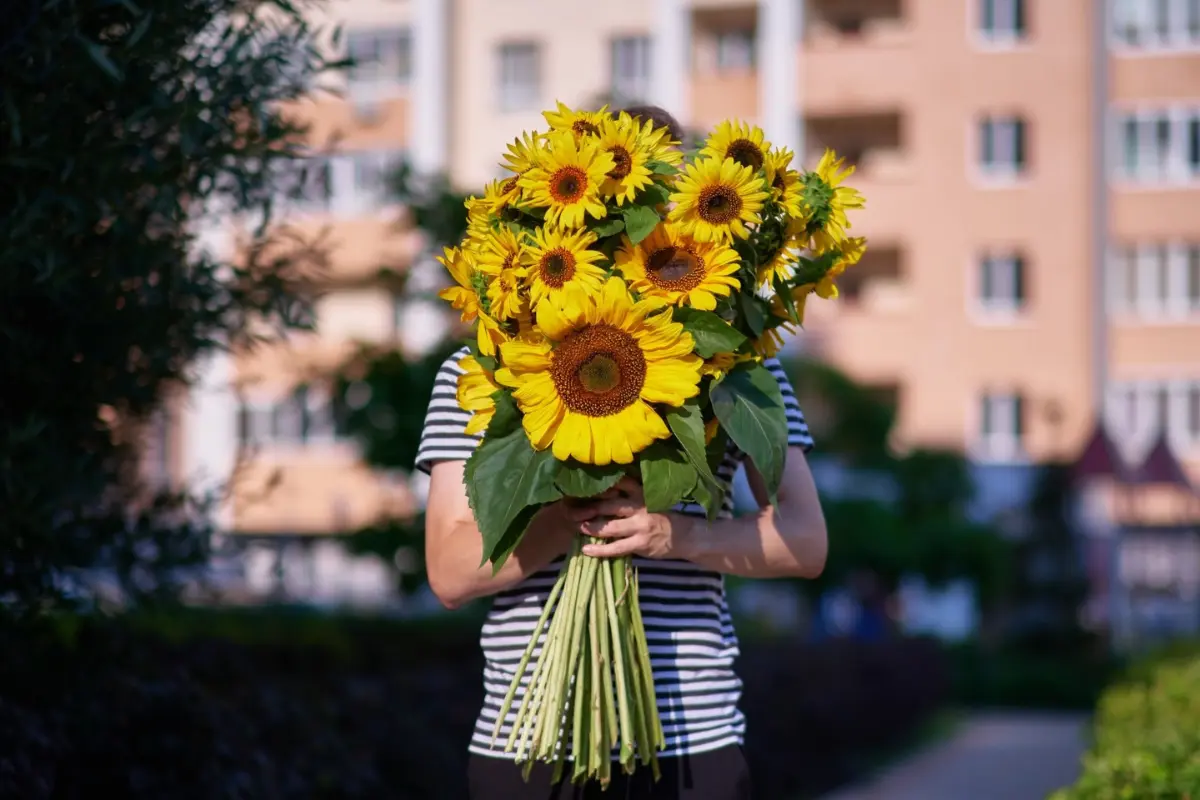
x=505, y=476
x=661, y=168
x=608, y=227
x=711, y=333
x=587, y=480
x=688, y=426
x=784, y=292
x=750, y=407
x=512, y=537
x=487, y=362
x=710, y=496
x=667, y=476
x=753, y=311
x=507, y=417
x=654, y=195
x=640, y=222
x=99, y=55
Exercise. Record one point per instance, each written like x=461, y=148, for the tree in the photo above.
x=122, y=122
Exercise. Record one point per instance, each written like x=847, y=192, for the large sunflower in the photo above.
x=784, y=182
x=745, y=144
x=586, y=389
x=476, y=386
x=567, y=178
x=629, y=175
x=579, y=123
x=831, y=201
x=561, y=261
x=715, y=200
x=671, y=265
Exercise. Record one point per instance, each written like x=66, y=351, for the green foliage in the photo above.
x=505, y=477
x=1147, y=737
x=711, y=333
x=587, y=480
x=687, y=423
x=667, y=476
x=384, y=396
x=433, y=205
x=640, y=222
x=121, y=123
x=749, y=406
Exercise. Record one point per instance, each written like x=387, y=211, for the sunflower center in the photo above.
x=568, y=184
x=557, y=267
x=623, y=163
x=719, y=204
x=675, y=268
x=598, y=371
x=582, y=127
x=746, y=153
x=778, y=183
x=508, y=262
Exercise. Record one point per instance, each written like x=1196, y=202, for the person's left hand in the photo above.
x=630, y=528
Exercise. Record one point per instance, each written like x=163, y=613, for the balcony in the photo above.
x=856, y=55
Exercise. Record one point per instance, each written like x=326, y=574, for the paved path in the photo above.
x=993, y=756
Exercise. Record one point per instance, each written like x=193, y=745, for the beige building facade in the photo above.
x=1032, y=172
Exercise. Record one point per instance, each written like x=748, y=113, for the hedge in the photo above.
x=1146, y=736
x=263, y=706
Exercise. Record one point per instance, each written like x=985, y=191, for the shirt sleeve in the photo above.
x=798, y=433
x=444, y=437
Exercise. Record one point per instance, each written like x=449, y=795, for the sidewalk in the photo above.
x=993, y=756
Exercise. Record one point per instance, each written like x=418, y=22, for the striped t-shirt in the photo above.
x=688, y=627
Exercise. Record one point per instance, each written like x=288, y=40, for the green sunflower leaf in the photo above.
x=507, y=417
x=608, y=227
x=753, y=310
x=640, y=222
x=661, y=168
x=749, y=405
x=654, y=195
x=687, y=424
x=667, y=476
x=711, y=333
x=587, y=480
x=504, y=477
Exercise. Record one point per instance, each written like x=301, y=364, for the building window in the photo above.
x=1158, y=146
x=379, y=56
x=1155, y=281
x=1138, y=412
x=1002, y=20
x=630, y=69
x=1003, y=148
x=1190, y=422
x=735, y=51
x=1156, y=25
x=306, y=416
x=1001, y=427
x=520, y=76
x=1002, y=283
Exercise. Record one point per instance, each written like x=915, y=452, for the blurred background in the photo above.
x=237, y=204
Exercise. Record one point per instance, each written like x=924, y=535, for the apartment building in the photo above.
x=1032, y=169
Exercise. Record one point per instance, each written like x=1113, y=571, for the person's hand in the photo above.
x=621, y=518
x=556, y=525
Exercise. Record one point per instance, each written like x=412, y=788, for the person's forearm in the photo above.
x=456, y=577
x=759, y=545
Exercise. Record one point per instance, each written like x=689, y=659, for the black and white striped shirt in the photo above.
x=688, y=627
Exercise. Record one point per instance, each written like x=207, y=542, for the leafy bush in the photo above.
x=291, y=705
x=1147, y=736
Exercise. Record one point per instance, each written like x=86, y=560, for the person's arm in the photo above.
x=781, y=540
x=453, y=547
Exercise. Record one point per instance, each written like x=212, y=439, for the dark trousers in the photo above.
x=716, y=775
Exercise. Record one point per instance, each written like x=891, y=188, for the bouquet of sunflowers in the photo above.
x=624, y=297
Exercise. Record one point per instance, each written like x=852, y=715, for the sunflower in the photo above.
x=522, y=153
x=476, y=386
x=490, y=334
x=580, y=123
x=479, y=218
x=505, y=295
x=629, y=175
x=672, y=266
x=499, y=250
x=586, y=388
x=771, y=342
x=464, y=296
x=714, y=200
x=745, y=144
x=559, y=261
x=721, y=363
x=784, y=183
x=781, y=265
x=566, y=180
x=660, y=144
x=828, y=201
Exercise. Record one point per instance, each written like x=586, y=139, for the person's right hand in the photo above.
x=558, y=524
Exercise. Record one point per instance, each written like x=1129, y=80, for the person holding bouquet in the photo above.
x=648, y=321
